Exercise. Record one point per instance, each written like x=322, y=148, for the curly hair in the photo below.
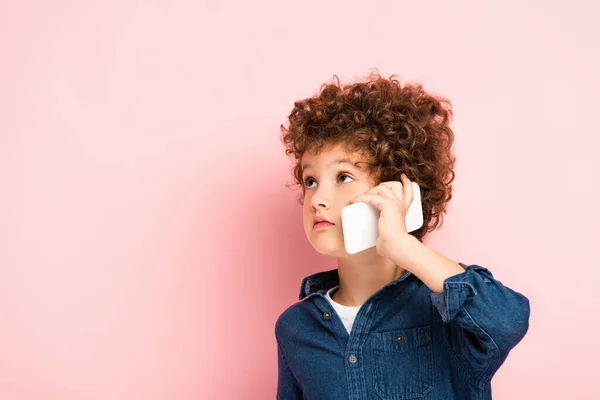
x=397, y=128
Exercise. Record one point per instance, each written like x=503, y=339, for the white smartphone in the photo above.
x=360, y=222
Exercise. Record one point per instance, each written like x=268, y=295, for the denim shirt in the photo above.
x=407, y=342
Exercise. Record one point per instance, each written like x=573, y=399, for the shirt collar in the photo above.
x=325, y=280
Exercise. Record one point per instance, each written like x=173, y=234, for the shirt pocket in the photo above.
x=403, y=363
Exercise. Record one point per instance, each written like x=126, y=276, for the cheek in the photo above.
x=307, y=221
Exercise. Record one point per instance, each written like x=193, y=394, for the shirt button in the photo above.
x=399, y=337
x=326, y=315
x=352, y=359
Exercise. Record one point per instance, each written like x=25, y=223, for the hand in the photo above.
x=393, y=199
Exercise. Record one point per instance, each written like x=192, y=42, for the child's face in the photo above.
x=329, y=187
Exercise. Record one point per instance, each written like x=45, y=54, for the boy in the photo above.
x=399, y=320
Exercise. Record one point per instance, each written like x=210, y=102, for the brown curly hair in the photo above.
x=398, y=128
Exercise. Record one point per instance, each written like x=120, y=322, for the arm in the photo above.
x=287, y=387
x=483, y=319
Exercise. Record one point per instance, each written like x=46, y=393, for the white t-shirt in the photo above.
x=346, y=313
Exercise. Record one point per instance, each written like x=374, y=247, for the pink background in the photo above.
x=147, y=239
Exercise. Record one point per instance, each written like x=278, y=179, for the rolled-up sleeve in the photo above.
x=483, y=319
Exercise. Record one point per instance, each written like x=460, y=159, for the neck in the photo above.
x=363, y=274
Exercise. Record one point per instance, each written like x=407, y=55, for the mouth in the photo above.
x=322, y=224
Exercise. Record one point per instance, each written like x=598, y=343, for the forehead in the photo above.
x=329, y=156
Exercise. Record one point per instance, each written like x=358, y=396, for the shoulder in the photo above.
x=292, y=318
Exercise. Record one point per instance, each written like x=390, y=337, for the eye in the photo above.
x=310, y=178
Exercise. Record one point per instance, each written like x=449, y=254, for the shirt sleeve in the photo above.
x=482, y=319
x=287, y=386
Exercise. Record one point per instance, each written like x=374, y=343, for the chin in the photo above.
x=329, y=249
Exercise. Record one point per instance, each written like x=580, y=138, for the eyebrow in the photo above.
x=340, y=161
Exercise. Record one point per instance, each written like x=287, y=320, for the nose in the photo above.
x=320, y=200
x=317, y=206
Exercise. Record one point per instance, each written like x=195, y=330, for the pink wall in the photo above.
x=148, y=241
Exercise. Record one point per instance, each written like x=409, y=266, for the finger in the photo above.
x=384, y=190
x=396, y=188
x=390, y=191
x=408, y=189
x=380, y=190
x=375, y=199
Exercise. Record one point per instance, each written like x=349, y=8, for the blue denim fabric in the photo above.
x=406, y=343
